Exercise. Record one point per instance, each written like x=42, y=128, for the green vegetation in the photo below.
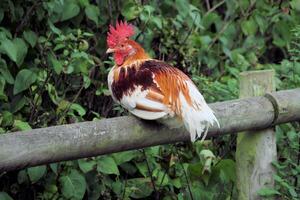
x=53, y=70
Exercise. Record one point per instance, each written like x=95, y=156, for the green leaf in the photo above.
x=23, y=176
x=5, y=196
x=53, y=94
x=2, y=92
x=249, y=27
x=9, y=48
x=125, y=156
x=36, y=173
x=5, y=72
x=53, y=29
x=107, y=165
x=117, y=187
x=21, y=50
x=93, y=13
x=15, y=49
x=86, y=165
x=78, y=108
x=7, y=119
x=227, y=170
x=161, y=177
x=30, y=37
x=139, y=187
x=261, y=22
x=157, y=21
x=21, y=126
x=18, y=104
x=73, y=185
x=183, y=7
x=295, y=4
x=130, y=10
x=70, y=10
x=129, y=168
x=142, y=167
x=57, y=66
x=54, y=167
x=24, y=79
x=268, y=192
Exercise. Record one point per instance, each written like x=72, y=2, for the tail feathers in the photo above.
x=198, y=122
x=197, y=119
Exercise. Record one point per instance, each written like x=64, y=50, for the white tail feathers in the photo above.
x=198, y=118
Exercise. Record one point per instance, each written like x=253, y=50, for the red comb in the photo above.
x=116, y=35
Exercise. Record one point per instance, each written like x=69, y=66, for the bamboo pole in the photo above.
x=255, y=150
x=46, y=145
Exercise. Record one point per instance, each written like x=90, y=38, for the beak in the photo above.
x=109, y=50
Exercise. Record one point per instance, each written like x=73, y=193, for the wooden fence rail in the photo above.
x=46, y=145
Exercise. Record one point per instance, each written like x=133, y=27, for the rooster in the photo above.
x=152, y=89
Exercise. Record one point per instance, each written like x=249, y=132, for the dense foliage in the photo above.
x=53, y=70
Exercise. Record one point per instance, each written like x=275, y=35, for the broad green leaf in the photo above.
x=21, y=126
x=73, y=185
x=227, y=170
x=21, y=50
x=56, y=64
x=196, y=170
x=249, y=27
x=54, y=167
x=53, y=28
x=23, y=176
x=70, y=10
x=130, y=10
x=183, y=7
x=107, y=165
x=157, y=21
x=5, y=34
x=142, y=167
x=2, y=92
x=125, y=156
x=93, y=13
x=5, y=72
x=15, y=49
x=5, y=196
x=161, y=177
x=129, y=168
x=139, y=187
x=282, y=33
x=261, y=22
x=36, y=173
x=24, y=79
x=266, y=192
x=86, y=165
x=294, y=4
x=7, y=119
x=30, y=37
x=9, y=48
x=18, y=104
x=117, y=187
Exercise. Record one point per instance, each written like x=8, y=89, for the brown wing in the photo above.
x=169, y=83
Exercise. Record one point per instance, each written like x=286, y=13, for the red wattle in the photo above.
x=119, y=58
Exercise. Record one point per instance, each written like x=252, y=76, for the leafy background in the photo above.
x=53, y=70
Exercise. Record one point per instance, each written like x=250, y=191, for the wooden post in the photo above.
x=255, y=149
